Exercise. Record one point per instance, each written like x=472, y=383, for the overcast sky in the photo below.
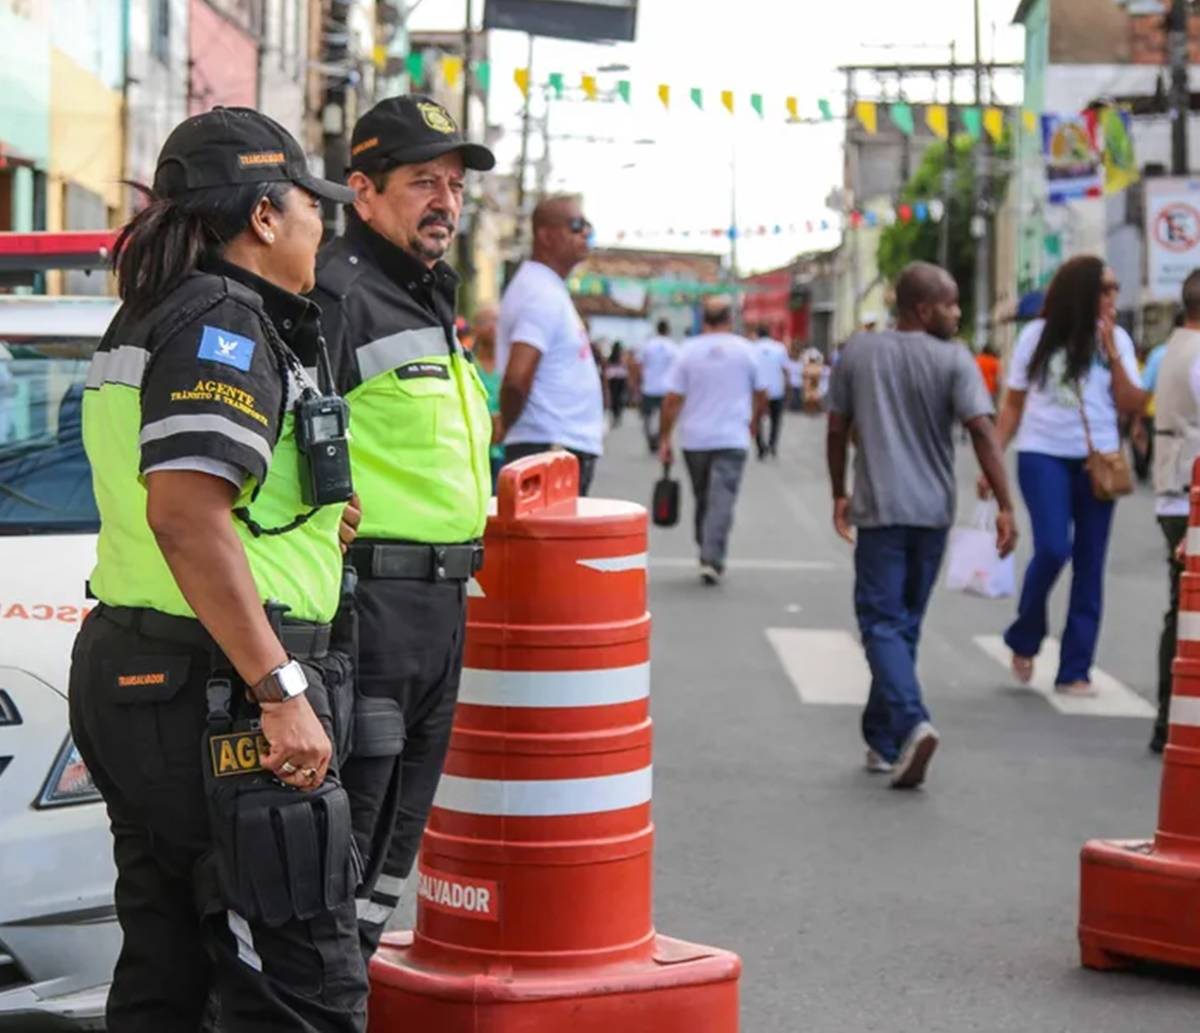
x=778, y=48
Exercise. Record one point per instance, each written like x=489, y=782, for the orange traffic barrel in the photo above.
x=534, y=882
x=1138, y=897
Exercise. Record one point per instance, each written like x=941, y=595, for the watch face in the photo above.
x=292, y=679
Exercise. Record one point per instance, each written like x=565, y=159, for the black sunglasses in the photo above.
x=579, y=225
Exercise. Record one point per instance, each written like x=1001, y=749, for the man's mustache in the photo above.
x=434, y=219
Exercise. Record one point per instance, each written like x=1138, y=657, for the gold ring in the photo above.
x=288, y=768
x=310, y=774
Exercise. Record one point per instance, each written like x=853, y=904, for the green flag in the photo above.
x=902, y=116
x=972, y=122
x=556, y=84
x=826, y=109
x=483, y=74
x=698, y=97
x=756, y=103
x=624, y=89
x=415, y=63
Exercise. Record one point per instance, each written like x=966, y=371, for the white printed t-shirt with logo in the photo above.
x=774, y=360
x=656, y=357
x=566, y=403
x=717, y=374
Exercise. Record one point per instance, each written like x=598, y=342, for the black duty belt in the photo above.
x=414, y=562
x=301, y=639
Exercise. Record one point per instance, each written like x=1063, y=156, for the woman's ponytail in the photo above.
x=156, y=250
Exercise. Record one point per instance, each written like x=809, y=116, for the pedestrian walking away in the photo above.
x=552, y=394
x=1177, y=446
x=1073, y=375
x=903, y=391
x=422, y=432
x=204, y=696
x=616, y=372
x=716, y=393
x=654, y=362
x=772, y=356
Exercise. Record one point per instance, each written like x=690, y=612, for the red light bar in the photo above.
x=72, y=249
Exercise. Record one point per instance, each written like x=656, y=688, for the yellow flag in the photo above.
x=727, y=100
x=938, y=120
x=521, y=78
x=452, y=69
x=867, y=114
x=993, y=122
x=1030, y=119
x=588, y=82
x=792, y=109
x=664, y=94
x=379, y=55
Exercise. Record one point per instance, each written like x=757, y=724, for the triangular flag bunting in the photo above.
x=483, y=74
x=972, y=122
x=452, y=68
x=792, y=109
x=624, y=90
x=902, y=117
x=756, y=102
x=664, y=94
x=727, y=100
x=698, y=97
x=521, y=78
x=938, y=120
x=555, y=79
x=415, y=64
x=826, y=110
x=993, y=122
x=588, y=83
x=868, y=115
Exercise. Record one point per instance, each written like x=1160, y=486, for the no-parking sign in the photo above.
x=1172, y=234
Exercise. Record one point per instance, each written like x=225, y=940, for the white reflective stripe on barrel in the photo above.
x=1189, y=626
x=615, y=564
x=1185, y=710
x=601, y=688
x=544, y=798
x=1193, y=541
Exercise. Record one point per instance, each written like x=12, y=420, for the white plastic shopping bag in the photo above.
x=973, y=565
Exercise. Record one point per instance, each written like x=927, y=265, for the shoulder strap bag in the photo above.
x=1109, y=472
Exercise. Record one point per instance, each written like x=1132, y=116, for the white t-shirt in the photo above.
x=657, y=355
x=773, y=358
x=717, y=374
x=1175, y=504
x=1051, y=423
x=795, y=373
x=566, y=402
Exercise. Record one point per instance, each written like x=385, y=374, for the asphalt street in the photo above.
x=856, y=908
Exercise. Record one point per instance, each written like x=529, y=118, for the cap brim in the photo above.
x=475, y=156
x=326, y=189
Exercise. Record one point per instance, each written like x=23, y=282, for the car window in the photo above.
x=45, y=480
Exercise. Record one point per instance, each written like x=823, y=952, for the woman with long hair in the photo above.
x=1073, y=377
x=204, y=696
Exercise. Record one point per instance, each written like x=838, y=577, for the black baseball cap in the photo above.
x=407, y=130
x=228, y=147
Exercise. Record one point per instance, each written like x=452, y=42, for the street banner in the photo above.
x=1073, y=166
x=565, y=19
x=1172, y=235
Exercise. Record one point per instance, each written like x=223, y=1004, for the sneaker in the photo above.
x=909, y=770
x=1158, y=741
x=876, y=764
x=709, y=574
x=1083, y=689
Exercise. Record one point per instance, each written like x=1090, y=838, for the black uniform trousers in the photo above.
x=410, y=647
x=144, y=745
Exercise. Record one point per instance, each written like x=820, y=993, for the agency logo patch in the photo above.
x=238, y=753
x=415, y=370
x=226, y=347
x=254, y=159
x=366, y=145
x=437, y=118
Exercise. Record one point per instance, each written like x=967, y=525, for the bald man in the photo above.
x=904, y=390
x=551, y=396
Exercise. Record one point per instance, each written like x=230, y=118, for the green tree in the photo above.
x=905, y=242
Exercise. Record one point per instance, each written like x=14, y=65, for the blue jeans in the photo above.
x=894, y=572
x=1069, y=523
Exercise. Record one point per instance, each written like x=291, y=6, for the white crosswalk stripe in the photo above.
x=1112, y=699
x=825, y=665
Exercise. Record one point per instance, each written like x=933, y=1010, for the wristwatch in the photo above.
x=278, y=686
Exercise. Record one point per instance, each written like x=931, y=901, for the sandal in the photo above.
x=1075, y=688
x=1022, y=668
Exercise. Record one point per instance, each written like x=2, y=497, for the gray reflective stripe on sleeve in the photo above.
x=202, y=464
x=371, y=912
x=245, y=940
x=387, y=353
x=124, y=365
x=392, y=885
x=205, y=423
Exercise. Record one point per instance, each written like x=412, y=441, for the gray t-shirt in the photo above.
x=904, y=393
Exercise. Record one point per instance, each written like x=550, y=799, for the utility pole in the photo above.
x=519, y=235
x=466, y=252
x=855, y=231
x=949, y=167
x=335, y=53
x=980, y=223
x=1180, y=96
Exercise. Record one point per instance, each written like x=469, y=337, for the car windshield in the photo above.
x=45, y=481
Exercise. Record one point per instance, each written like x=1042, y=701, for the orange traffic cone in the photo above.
x=534, y=880
x=1139, y=898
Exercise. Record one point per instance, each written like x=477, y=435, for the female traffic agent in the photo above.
x=1073, y=375
x=204, y=698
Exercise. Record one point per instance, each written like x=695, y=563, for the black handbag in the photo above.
x=665, y=505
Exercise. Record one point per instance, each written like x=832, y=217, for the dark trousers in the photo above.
x=895, y=569
x=1174, y=529
x=1069, y=523
x=768, y=444
x=716, y=478
x=587, y=461
x=651, y=409
x=143, y=747
x=410, y=644
x=618, y=395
